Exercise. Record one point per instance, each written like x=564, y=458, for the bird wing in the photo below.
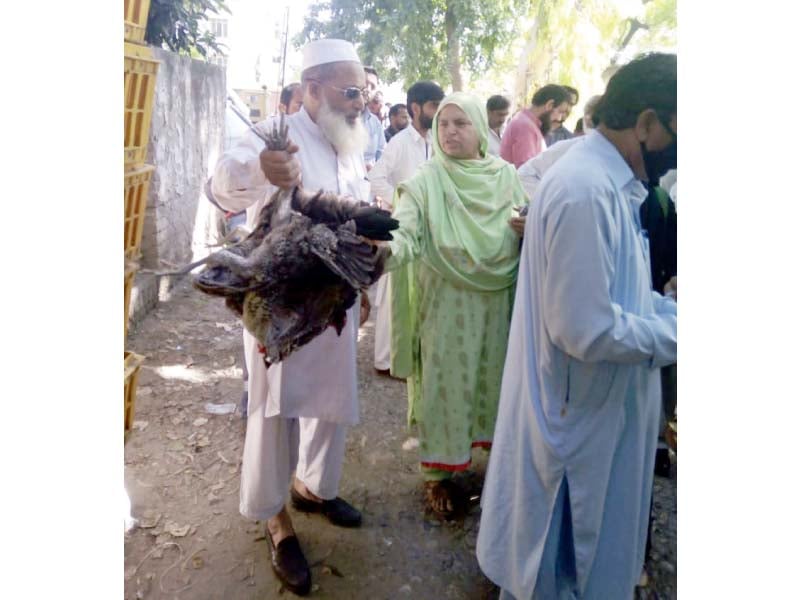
x=370, y=221
x=346, y=254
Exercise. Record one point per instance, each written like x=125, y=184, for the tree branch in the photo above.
x=636, y=25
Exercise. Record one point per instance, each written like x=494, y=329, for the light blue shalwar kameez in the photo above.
x=567, y=491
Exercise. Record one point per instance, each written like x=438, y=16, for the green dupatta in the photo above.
x=454, y=218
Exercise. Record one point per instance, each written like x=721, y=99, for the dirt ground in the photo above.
x=182, y=468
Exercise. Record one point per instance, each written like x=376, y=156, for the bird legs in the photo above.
x=278, y=138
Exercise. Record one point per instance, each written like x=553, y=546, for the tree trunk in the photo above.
x=522, y=81
x=453, y=48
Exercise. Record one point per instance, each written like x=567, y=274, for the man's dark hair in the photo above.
x=396, y=109
x=648, y=81
x=573, y=92
x=372, y=71
x=422, y=92
x=286, y=93
x=497, y=102
x=558, y=94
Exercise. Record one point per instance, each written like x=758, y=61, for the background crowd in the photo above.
x=529, y=303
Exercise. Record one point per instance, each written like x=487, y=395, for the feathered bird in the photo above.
x=301, y=268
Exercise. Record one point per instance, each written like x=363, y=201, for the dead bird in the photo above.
x=302, y=266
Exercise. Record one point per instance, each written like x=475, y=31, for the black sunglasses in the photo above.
x=351, y=93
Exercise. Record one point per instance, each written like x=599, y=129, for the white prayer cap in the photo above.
x=320, y=52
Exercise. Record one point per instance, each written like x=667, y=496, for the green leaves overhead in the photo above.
x=409, y=40
x=533, y=42
x=177, y=25
x=574, y=42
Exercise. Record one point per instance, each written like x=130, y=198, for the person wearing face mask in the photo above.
x=567, y=495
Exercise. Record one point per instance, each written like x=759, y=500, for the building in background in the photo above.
x=260, y=103
x=256, y=36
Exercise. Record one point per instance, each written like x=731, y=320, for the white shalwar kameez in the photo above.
x=567, y=491
x=401, y=158
x=300, y=407
x=532, y=171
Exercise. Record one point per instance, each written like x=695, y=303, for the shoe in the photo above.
x=290, y=566
x=387, y=373
x=337, y=510
x=663, y=464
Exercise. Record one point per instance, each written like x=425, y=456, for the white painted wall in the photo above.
x=186, y=137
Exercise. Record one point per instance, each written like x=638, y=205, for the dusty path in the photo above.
x=182, y=474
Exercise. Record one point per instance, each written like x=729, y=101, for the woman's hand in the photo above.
x=518, y=225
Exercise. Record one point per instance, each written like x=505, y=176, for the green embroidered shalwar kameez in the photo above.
x=455, y=262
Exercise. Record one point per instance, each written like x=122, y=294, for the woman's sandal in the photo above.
x=445, y=498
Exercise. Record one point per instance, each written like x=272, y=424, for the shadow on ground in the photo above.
x=182, y=474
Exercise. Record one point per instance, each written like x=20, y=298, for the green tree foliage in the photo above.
x=579, y=42
x=419, y=39
x=177, y=25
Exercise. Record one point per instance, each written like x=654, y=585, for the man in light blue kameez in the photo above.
x=567, y=492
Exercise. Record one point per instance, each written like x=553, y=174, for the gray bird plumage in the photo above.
x=302, y=267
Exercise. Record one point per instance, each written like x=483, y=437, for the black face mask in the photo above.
x=657, y=163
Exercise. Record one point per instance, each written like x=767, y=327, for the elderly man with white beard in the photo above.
x=300, y=408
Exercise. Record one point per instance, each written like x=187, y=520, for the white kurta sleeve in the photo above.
x=380, y=176
x=529, y=176
x=580, y=316
x=381, y=142
x=238, y=179
x=664, y=304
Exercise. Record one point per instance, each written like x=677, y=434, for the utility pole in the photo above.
x=285, y=44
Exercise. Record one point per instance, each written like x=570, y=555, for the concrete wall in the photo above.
x=186, y=136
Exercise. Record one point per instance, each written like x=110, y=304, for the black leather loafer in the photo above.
x=337, y=510
x=290, y=565
x=663, y=464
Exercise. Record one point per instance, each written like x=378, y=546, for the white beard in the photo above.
x=345, y=138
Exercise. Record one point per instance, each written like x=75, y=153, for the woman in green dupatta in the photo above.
x=454, y=262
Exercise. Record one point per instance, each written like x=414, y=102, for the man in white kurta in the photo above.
x=497, y=109
x=567, y=492
x=404, y=153
x=532, y=171
x=300, y=408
